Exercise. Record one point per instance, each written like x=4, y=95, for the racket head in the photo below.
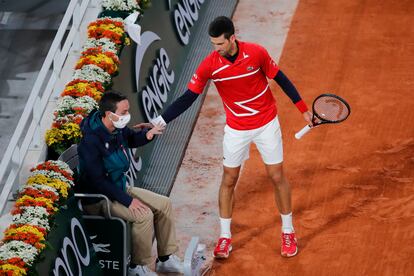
x=330, y=108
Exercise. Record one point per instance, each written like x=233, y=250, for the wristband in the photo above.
x=158, y=121
x=301, y=106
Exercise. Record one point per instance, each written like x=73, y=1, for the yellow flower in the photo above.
x=38, y=179
x=114, y=30
x=127, y=41
x=62, y=137
x=25, y=229
x=53, y=136
x=80, y=89
x=111, y=27
x=61, y=186
x=16, y=271
x=46, y=201
x=105, y=60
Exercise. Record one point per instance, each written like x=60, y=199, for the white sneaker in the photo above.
x=141, y=270
x=172, y=265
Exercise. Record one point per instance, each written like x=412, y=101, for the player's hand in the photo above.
x=158, y=121
x=156, y=130
x=143, y=125
x=138, y=209
x=308, y=117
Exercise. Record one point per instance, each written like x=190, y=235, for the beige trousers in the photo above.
x=159, y=222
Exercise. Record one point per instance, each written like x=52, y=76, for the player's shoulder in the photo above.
x=251, y=46
x=212, y=56
x=210, y=61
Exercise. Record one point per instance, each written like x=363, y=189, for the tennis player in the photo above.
x=240, y=71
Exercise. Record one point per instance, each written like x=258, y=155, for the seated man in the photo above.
x=103, y=161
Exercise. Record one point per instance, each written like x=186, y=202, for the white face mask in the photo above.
x=122, y=120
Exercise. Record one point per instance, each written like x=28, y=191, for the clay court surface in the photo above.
x=352, y=184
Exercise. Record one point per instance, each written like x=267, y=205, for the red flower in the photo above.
x=41, y=229
x=29, y=238
x=48, y=166
x=42, y=193
x=15, y=261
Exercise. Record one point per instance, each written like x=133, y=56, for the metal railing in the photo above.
x=28, y=133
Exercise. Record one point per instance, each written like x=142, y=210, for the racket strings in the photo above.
x=330, y=109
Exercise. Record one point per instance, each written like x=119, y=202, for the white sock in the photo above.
x=287, y=226
x=225, y=227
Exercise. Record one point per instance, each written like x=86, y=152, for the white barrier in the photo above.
x=30, y=130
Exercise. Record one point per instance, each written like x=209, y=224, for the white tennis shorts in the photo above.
x=268, y=140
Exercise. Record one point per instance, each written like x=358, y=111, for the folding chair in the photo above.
x=110, y=235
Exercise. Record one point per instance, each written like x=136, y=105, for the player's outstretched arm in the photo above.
x=291, y=91
x=176, y=108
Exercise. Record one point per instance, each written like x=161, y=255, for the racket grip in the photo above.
x=302, y=132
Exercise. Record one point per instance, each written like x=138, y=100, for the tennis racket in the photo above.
x=327, y=109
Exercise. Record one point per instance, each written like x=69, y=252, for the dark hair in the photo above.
x=221, y=25
x=109, y=101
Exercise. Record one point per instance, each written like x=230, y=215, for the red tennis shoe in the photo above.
x=289, y=245
x=223, y=248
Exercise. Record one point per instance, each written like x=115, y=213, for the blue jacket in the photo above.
x=103, y=158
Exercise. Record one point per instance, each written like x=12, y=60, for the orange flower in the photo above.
x=108, y=61
x=40, y=193
x=41, y=229
x=25, y=233
x=109, y=28
x=29, y=238
x=14, y=261
x=80, y=88
x=47, y=166
x=25, y=201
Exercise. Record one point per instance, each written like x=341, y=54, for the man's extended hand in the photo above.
x=138, y=209
x=158, y=121
x=156, y=130
x=308, y=117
